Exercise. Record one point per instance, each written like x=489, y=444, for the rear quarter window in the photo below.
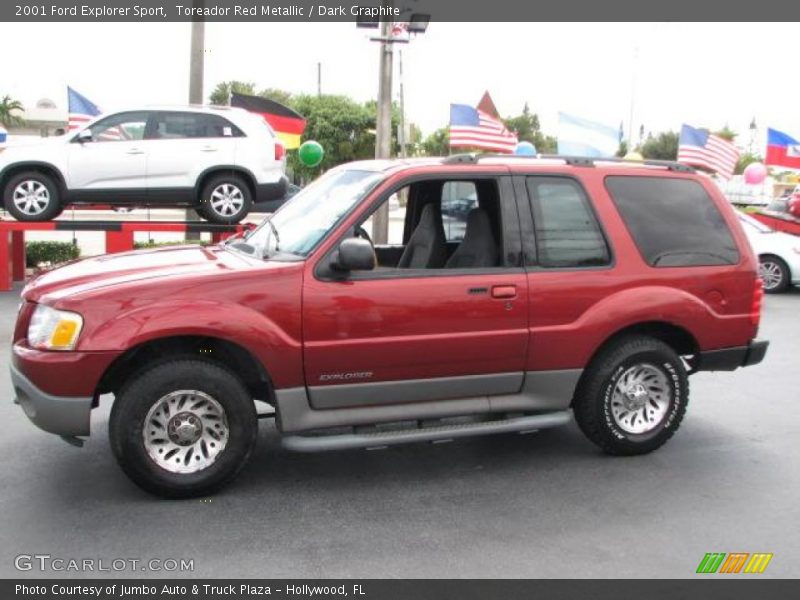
x=565, y=228
x=674, y=222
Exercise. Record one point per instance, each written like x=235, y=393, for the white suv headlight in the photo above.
x=52, y=329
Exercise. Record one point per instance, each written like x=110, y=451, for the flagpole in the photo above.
x=401, y=135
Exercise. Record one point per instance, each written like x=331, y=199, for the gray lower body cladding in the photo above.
x=372, y=403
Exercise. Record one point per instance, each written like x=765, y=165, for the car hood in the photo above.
x=133, y=269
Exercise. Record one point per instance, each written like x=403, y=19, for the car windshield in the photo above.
x=756, y=224
x=304, y=220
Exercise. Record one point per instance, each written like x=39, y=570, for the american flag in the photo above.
x=699, y=148
x=480, y=127
x=81, y=110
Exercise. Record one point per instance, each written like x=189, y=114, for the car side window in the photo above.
x=397, y=205
x=439, y=225
x=121, y=127
x=186, y=125
x=673, y=221
x=566, y=229
x=458, y=199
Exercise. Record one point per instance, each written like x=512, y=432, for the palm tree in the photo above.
x=7, y=109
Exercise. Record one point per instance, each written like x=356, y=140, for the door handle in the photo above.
x=208, y=149
x=135, y=151
x=504, y=291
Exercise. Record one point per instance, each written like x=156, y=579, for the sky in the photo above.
x=706, y=75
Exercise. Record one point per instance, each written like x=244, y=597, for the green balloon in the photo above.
x=311, y=153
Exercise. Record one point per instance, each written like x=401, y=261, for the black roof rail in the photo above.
x=576, y=161
x=463, y=158
x=671, y=165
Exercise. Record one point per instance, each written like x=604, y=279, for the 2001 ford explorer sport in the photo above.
x=509, y=295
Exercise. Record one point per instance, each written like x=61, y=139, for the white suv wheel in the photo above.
x=226, y=199
x=31, y=197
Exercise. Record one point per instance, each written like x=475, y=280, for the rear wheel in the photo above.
x=184, y=428
x=774, y=273
x=32, y=196
x=225, y=199
x=633, y=396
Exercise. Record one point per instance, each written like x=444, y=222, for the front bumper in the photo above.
x=729, y=359
x=62, y=415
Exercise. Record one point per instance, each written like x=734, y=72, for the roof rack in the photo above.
x=575, y=161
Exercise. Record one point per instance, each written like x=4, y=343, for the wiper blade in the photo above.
x=275, y=235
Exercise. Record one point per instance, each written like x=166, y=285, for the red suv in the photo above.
x=555, y=287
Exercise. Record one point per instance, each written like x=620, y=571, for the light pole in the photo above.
x=196, y=60
x=418, y=23
x=383, y=125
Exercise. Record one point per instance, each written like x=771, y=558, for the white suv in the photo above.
x=218, y=160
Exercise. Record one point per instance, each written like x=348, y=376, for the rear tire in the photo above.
x=225, y=199
x=184, y=428
x=32, y=196
x=774, y=273
x=633, y=396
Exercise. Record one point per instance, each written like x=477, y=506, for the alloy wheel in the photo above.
x=31, y=197
x=640, y=399
x=771, y=274
x=226, y=200
x=185, y=431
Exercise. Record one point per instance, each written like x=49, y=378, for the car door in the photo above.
x=181, y=146
x=398, y=335
x=112, y=163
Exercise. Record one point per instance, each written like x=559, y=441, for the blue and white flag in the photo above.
x=581, y=137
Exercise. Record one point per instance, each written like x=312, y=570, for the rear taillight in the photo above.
x=755, y=309
x=280, y=151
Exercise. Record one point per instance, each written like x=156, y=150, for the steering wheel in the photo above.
x=362, y=233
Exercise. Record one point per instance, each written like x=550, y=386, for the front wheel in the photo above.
x=32, y=196
x=184, y=428
x=225, y=199
x=774, y=273
x=633, y=396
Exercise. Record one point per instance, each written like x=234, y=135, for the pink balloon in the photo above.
x=755, y=173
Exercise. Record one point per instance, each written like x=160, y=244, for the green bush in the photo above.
x=50, y=252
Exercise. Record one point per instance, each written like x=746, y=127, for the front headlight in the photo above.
x=52, y=329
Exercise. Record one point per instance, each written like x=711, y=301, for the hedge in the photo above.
x=50, y=252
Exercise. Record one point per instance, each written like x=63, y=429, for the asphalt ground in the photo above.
x=540, y=505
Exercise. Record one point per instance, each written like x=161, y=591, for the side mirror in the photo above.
x=355, y=254
x=84, y=136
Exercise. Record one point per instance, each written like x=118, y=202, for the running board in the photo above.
x=379, y=439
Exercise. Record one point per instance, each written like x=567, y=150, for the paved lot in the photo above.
x=543, y=505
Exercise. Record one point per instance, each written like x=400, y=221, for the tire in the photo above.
x=774, y=272
x=32, y=196
x=225, y=199
x=229, y=437
x=610, y=418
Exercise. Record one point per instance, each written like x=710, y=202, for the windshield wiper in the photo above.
x=274, y=231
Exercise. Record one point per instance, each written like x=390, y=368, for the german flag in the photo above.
x=288, y=124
